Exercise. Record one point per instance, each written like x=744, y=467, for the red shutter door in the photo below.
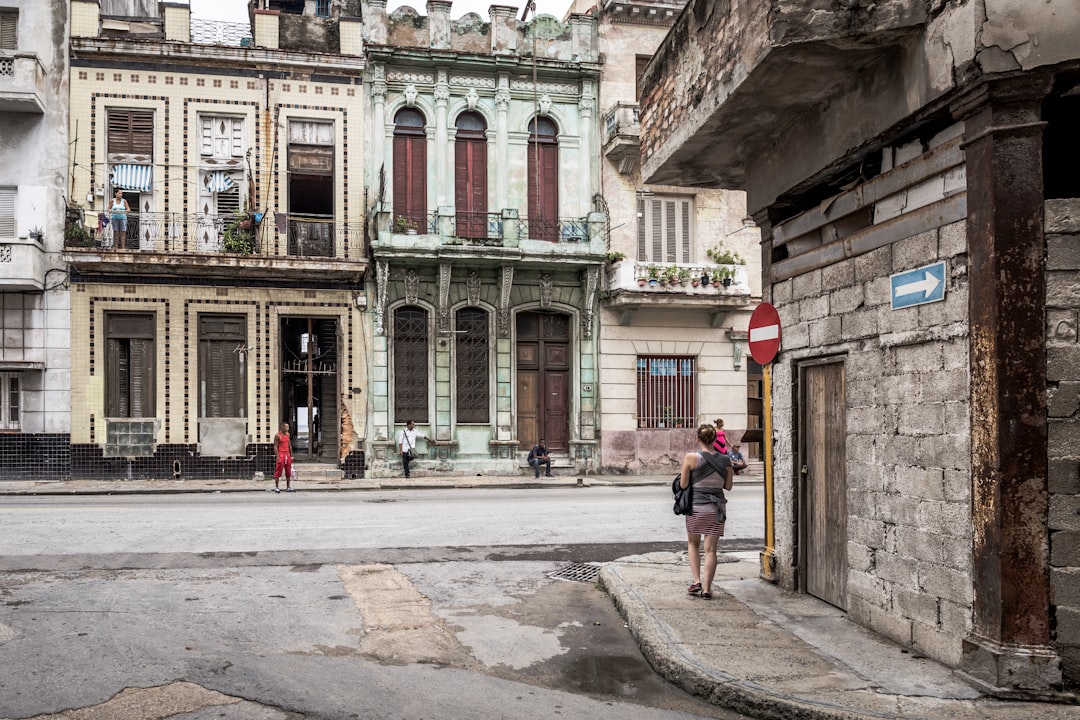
x=544, y=191
x=470, y=187
x=410, y=180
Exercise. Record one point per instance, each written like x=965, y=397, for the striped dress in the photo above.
x=703, y=521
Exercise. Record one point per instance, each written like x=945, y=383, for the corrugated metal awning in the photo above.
x=133, y=177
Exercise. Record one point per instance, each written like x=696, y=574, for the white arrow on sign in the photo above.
x=768, y=332
x=926, y=286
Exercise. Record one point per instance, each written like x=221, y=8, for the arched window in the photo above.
x=470, y=176
x=471, y=357
x=410, y=364
x=543, y=180
x=410, y=168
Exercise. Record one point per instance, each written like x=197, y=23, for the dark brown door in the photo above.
x=543, y=371
x=410, y=169
x=543, y=181
x=823, y=519
x=470, y=177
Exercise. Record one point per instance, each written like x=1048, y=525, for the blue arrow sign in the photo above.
x=918, y=286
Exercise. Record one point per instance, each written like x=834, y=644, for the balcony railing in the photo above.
x=218, y=32
x=665, y=279
x=175, y=233
x=568, y=230
x=485, y=228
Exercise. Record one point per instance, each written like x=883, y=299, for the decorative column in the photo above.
x=1009, y=651
x=586, y=108
x=441, y=156
x=502, y=135
x=378, y=114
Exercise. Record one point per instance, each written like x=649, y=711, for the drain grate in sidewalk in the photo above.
x=577, y=572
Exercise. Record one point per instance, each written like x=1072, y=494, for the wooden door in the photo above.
x=470, y=184
x=543, y=182
x=543, y=372
x=823, y=519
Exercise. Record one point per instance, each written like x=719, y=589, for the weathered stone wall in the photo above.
x=1063, y=381
x=907, y=408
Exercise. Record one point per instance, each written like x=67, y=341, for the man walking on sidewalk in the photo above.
x=539, y=456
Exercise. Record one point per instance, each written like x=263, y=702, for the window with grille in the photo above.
x=411, y=364
x=322, y=8
x=222, y=378
x=131, y=132
x=129, y=365
x=665, y=227
x=471, y=356
x=9, y=29
x=7, y=212
x=666, y=391
x=10, y=401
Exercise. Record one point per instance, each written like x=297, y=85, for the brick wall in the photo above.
x=908, y=479
x=1063, y=389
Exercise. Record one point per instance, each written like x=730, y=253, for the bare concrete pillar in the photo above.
x=1009, y=651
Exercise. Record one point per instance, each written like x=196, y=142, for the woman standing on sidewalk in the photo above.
x=711, y=474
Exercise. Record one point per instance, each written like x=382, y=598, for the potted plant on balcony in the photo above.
x=722, y=276
x=239, y=235
x=695, y=276
x=684, y=276
x=404, y=226
x=615, y=256
x=670, y=275
x=720, y=256
x=654, y=274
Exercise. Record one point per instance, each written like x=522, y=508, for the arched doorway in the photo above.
x=543, y=379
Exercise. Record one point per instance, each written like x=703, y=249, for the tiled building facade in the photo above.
x=228, y=305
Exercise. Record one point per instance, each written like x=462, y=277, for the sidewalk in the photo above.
x=769, y=653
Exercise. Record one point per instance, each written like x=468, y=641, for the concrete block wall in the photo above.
x=908, y=480
x=1063, y=406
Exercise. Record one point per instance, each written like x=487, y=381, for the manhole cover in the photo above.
x=578, y=572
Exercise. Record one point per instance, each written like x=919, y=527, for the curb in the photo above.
x=666, y=655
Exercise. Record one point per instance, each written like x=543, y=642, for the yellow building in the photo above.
x=217, y=283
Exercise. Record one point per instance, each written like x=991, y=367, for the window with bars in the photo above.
x=471, y=356
x=131, y=132
x=9, y=29
x=666, y=391
x=129, y=365
x=10, y=402
x=322, y=8
x=411, y=364
x=665, y=228
x=7, y=212
x=222, y=379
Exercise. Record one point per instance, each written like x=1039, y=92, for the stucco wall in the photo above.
x=907, y=410
x=1063, y=380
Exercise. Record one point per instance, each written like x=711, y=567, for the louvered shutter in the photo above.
x=206, y=136
x=462, y=194
x=7, y=212
x=642, y=248
x=131, y=131
x=669, y=231
x=141, y=377
x=9, y=30
x=237, y=137
x=418, y=181
x=684, y=235
x=116, y=361
x=550, y=156
x=401, y=177
x=656, y=208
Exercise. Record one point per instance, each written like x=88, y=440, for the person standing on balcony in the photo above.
x=118, y=219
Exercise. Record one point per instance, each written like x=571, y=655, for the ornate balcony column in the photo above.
x=502, y=134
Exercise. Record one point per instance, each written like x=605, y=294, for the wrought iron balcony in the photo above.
x=22, y=83
x=561, y=230
x=210, y=241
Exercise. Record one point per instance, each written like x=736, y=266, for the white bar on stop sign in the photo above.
x=768, y=332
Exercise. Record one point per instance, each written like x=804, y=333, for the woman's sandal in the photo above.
x=694, y=589
x=705, y=596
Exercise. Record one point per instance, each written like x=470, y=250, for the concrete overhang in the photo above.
x=716, y=94
x=215, y=266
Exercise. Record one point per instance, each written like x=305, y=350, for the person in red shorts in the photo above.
x=283, y=448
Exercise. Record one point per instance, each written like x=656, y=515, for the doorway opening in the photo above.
x=543, y=379
x=309, y=386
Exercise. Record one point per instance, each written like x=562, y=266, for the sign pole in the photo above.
x=768, y=556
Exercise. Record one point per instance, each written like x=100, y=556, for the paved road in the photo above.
x=421, y=604
x=322, y=521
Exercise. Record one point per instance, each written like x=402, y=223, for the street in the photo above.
x=407, y=604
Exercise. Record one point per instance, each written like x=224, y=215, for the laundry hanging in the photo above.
x=133, y=177
x=219, y=181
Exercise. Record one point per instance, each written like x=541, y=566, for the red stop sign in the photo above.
x=764, y=333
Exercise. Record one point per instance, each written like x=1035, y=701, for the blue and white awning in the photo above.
x=133, y=177
x=218, y=181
